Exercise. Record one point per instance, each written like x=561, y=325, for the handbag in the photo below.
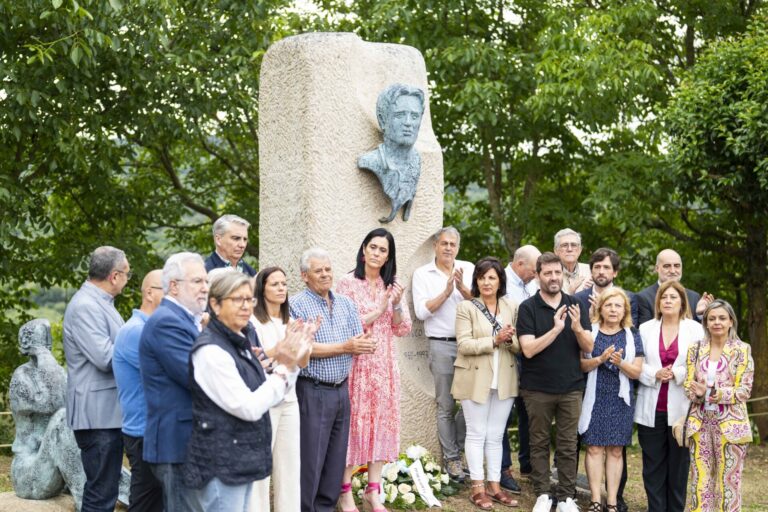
x=680, y=427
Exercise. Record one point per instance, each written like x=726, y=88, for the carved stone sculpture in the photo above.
x=396, y=163
x=45, y=453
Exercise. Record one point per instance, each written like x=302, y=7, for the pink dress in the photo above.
x=374, y=380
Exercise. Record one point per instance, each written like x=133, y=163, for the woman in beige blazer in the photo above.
x=485, y=377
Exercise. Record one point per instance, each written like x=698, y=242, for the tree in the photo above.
x=717, y=121
x=129, y=124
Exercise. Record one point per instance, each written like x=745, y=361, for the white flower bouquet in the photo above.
x=398, y=489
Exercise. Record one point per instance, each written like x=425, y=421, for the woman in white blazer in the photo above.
x=661, y=399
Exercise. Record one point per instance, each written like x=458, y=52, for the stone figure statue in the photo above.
x=46, y=458
x=45, y=453
x=397, y=165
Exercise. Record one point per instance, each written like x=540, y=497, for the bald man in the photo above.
x=669, y=267
x=146, y=491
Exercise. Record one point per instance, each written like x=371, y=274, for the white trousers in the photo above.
x=485, y=429
x=286, y=463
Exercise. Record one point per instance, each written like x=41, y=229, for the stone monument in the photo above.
x=317, y=116
x=46, y=458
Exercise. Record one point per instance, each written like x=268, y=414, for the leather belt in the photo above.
x=316, y=382
x=440, y=339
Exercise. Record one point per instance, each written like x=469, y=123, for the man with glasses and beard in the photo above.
x=164, y=359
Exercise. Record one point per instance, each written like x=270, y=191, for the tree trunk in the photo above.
x=756, y=285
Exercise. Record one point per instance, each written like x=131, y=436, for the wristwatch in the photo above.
x=398, y=307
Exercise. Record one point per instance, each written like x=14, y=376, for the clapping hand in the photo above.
x=616, y=357
x=705, y=300
x=699, y=388
x=665, y=374
x=560, y=317
x=607, y=353
x=395, y=293
x=504, y=335
x=297, y=343
x=574, y=311
x=458, y=280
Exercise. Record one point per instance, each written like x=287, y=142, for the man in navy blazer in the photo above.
x=164, y=359
x=669, y=266
x=604, y=265
x=230, y=236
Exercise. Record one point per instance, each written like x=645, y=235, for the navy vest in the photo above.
x=223, y=446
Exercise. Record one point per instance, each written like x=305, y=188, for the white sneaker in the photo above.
x=568, y=505
x=543, y=504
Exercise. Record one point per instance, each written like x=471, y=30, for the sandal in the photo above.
x=481, y=500
x=373, y=488
x=346, y=488
x=611, y=508
x=503, y=498
x=595, y=506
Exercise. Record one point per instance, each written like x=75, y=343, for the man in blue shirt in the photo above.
x=322, y=386
x=146, y=491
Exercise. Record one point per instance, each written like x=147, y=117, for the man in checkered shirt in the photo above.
x=322, y=386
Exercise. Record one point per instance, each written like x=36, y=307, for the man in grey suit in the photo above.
x=91, y=323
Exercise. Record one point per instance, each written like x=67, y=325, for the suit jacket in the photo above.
x=583, y=297
x=164, y=359
x=646, y=299
x=91, y=323
x=214, y=261
x=689, y=333
x=733, y=386
x=473, y=368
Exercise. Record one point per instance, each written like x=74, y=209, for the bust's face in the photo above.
x=404, y=120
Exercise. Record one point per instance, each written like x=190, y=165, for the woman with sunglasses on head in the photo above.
x=718, y=381
x=230, y=445
x=374, y=380
x=270, y=319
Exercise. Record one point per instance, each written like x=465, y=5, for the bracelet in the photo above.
x=397, y=308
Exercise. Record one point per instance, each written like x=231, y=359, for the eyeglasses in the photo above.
x=128, y=274
x=156, y=287
x=242, y=301
x=570, y=245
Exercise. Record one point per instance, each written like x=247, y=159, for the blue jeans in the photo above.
x=101, y=451
x=176, y=495
x=216, y=496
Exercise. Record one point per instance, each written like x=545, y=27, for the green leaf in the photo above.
x=116, y=4
x=75, y=54
x=56, y=3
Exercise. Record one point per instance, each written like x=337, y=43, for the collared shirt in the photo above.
x=556, y=369
x=198, y=317
x=428, y=282
x=125, y=363
x=340, y=322
x=215, y=260
x=517, y=290
x=569, y=278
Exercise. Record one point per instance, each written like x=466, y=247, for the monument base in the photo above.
x=9, y=502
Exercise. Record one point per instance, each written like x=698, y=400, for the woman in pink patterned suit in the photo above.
x=374, y=381
x=718, y=381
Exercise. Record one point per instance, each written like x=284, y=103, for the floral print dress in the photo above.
x=374, y=380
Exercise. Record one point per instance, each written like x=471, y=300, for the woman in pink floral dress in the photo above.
x=374, y=381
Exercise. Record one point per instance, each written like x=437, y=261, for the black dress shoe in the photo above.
x=621, y=505
x=509, y=483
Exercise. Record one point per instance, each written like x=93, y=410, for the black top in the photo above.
x=555, y=369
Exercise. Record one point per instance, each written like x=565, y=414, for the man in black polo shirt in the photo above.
x=553, y=329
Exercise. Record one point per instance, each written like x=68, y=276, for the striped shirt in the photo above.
x=340, y=322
